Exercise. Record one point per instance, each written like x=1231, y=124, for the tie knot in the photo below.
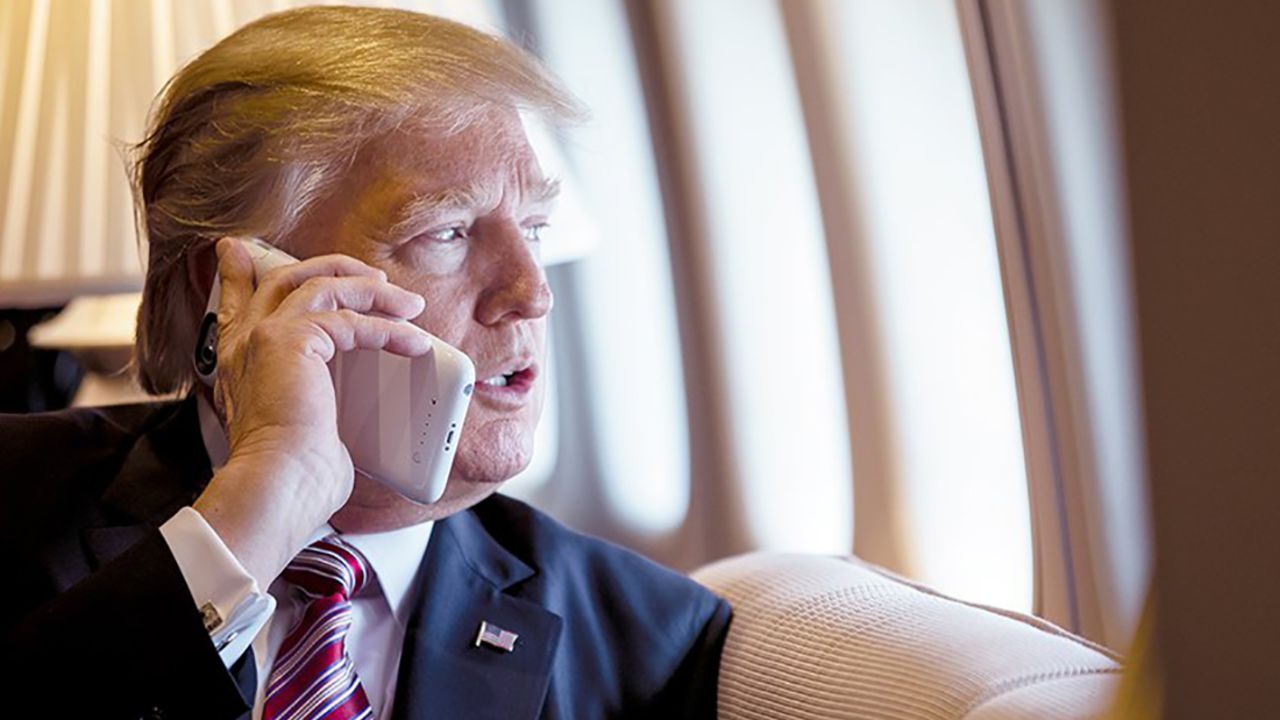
x=328, y=566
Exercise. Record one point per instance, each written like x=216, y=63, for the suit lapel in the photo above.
x=463, y=582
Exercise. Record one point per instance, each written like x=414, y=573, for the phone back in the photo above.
x=401, y=418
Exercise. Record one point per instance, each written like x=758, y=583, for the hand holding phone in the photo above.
x=275, y=335
x=399, y=417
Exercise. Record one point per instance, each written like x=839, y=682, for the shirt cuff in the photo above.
x=234, y=608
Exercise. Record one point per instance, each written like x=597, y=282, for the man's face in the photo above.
x=457, y=219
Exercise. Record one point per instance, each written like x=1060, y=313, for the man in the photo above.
x=150, y=543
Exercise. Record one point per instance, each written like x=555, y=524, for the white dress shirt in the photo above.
x=221, y=586
x=380, y=613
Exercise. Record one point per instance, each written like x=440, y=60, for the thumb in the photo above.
x=235, y=272
x=235, y=289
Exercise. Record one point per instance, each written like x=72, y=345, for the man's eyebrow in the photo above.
x=432, y=203
x=540, y=191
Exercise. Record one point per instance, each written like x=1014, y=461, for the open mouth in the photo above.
x=514, y=382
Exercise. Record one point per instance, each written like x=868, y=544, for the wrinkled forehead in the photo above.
x=492, y=150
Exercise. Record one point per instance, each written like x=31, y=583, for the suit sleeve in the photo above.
x=124, y=642
x=693, y=689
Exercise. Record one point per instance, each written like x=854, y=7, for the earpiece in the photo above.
x=206, y=354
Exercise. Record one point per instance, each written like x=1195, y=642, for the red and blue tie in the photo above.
x=312, y=675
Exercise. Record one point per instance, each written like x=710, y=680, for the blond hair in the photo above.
x=251, y=134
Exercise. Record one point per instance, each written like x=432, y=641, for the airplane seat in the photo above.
x=834, y=637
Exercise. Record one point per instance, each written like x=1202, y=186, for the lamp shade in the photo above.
x=76, y=80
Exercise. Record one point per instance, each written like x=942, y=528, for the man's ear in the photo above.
x=202, y=265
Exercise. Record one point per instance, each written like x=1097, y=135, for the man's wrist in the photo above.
x=231, y=602
x=255, y=512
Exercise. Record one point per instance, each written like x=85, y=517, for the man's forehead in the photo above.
x=495, y=135
x=433, y=162
x=414, y=173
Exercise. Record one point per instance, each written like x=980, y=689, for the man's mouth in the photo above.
x=508, y=385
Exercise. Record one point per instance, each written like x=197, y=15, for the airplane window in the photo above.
x=938, y=289
x=1047, y=103
x=772, y=280
x=1079, y=112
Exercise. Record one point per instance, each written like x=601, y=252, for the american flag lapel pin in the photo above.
x=496, y=637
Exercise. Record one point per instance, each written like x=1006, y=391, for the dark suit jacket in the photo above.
x=98, y=621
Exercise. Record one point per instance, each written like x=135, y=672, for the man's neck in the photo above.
x=374, y=507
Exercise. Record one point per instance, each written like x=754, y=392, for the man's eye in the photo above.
x=452, y=233
x=533, y=233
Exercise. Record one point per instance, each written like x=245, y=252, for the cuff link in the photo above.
x=211, y=617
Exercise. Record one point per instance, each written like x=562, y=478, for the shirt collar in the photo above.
x=395, y=556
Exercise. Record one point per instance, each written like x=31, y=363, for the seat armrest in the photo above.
x=833, y=637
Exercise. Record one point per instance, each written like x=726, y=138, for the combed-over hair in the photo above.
x=252, y=133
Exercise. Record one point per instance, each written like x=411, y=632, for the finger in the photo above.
x=347, y=330
x=276, y=284
x=235, y=285
x=362, y=294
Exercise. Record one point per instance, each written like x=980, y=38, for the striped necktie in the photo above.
x=312, y=675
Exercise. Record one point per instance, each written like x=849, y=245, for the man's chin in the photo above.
x=488, y=471
x=492, y=453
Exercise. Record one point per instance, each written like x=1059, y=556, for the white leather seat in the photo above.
x=826, y=637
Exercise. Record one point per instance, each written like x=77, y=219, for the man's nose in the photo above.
x=516, y=287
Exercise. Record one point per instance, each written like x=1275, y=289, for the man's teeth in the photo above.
x=496, y=381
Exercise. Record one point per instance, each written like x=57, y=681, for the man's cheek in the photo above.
x=440, y=319
x=446, y=302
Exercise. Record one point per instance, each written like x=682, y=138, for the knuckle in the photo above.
x=342, y=260
x=273, y=275
x=314, y=285
x=300, y=345
x=261, y=333
x=335, y=264
x=353, y=263
x=226, y=316
x=356, y=288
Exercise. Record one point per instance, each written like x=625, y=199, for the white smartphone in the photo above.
x=400, y=418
